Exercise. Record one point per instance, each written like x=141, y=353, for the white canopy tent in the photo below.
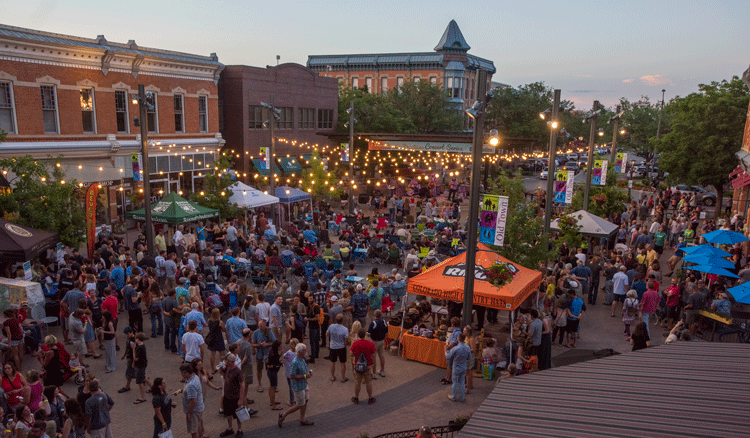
x=591, y=225
x=247, y=197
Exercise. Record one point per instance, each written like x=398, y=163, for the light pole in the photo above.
x=551, y=175
x=351, y=157
x=141, y=100
x=272, y=150
x=477, y=113
x=616, y=120
x=591, y=118
x=658, y=129
x=630, y=180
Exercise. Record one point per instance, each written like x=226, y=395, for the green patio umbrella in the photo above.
x=174, y=210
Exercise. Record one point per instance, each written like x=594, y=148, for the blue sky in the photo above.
x=589, y=49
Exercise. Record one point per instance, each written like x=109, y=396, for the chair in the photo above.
x=39, y=314
x=337, y=264
x=328, y=253
x=387, y=305
x=321, y=263
x=420, y=227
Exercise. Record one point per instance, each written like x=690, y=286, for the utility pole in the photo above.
x=476, y=169
x=351, y=158
x=592, y=119
x=146, y=177
x=613, y=153
x=272, y=154
x=551, y=174
x=658, y=130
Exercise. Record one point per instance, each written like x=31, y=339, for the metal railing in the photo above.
x=449, y=431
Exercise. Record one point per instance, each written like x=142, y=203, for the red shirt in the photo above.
x=364, y=346
x=673, y=295
x=110, y=303
x=650, y=301
x=16, y=333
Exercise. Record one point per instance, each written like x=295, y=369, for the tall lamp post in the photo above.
x=141, y=99
x=272, y=150
x=616, y=120
x=551, y=165
x=591, y=118
x=630, y=180
x=477, y=113
x=351, y=156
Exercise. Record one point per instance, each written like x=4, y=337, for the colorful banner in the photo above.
x=91, y=194
x=265, y=159
x=344, y=152
x=621, y=162
x=27, y=273
x=135, y=159
x=599, y=172
x=564, y=180
x=492, y=219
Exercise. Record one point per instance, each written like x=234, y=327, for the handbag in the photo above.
x=562, y=319
x=242, y=414
x=166, y=434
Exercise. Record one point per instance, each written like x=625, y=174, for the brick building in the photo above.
x=308, y=112
x=449, y=64
x=741, y=176
x=70, y=97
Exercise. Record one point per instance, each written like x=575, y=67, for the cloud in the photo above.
x=653, y=80
x=627, y=81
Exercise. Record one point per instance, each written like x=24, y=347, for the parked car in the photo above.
x=653, y=172
x=572, y=157
x=545, y=173
x=702, y=196
x=532, y=164
x=571, y=165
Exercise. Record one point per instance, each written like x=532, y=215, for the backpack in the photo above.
x=361, y=365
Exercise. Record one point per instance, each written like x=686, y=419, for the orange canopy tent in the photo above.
x=445, y=281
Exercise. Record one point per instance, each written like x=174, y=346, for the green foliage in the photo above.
x=570, y=232
x=525, y=242
x=43, y=199
x=706, y=132
x=318, y=181
x=514, y=112
x=640, y=121
x=215, y=192
x=604, y=201
x=3, y=135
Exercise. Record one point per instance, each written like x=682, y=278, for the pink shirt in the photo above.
x=650, y=301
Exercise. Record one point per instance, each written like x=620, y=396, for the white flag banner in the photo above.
x=624, y=164
x=569, y=187
x=502, y=216
x=604, y=172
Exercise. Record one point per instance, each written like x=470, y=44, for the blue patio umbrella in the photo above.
x=712, y=270
x=708, y=250
x=703, y=259
x=741, y=293
x=725, y=236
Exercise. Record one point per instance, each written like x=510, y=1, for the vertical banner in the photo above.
x=618, y=163
x=502, y=217
x=624, y=165
x=27, y=274
x=265, y=160
x=135, y=159
x=569, y=187
x=344, y=152
x=91, y=193
x=599, y=173
x=561, y=180
x=488, y=219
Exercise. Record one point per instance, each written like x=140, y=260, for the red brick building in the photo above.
x=449, y=64
x=71, y=97
x=308, y=112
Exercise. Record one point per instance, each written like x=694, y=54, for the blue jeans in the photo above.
x=459, y=381
x=291, y=393
x=155, y=312
x=158, y=428
x=170, y=336
x=314, y=342
x=646, y=317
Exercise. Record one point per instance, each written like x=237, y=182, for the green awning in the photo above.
x=290, y=165
x=174, y=210
x=259, y=167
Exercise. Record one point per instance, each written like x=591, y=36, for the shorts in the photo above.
x=301, y=397
x=338, y=354
x=367, y=376
x=230, y=407
x=140, y=375
x=130, y=371
x=193, y=421
x=273, y=377
x=104, y=432
x=64, y=323
x=659, y=249
x=572, y=326
x=79, y=346
x=618, y=298
x=673, y=312
x=247, y=374
x=378, y=347
x=19, y=342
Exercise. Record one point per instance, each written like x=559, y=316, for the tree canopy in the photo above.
x=319, y=181
x=640, y=121
x=215, y=192
x=705, y=133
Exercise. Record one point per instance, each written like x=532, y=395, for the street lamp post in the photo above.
x=630, y=180
x=592, y=118
x=351, y=158
x=616, y=120
x=551, y=165
x=143, y=103
x=274, y=116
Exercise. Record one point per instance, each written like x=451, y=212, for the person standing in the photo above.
x=620, y=285
x=275, y=315
x=534, y=332
x=192, y=342
x=459, y=357
x=246, y=359
x=179, y=241
x=162, y=404
x=192, y=401
x=649, y=302
x=359, y=303
x=313, y=325
x=140, y=361
x=363, y=352
x=234, y=326
x=337, y=335
x=108, y=332
x=262, y=340
x=376, y=300
x=131, y=297
x=168, y=306
x=378, y=330
x=98, y=421
x=574, y=312
x=299, y=376
x=234, y=394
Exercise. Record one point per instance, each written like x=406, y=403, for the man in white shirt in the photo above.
x=264, y=309
x=179, y=241
x=231, y=237
x=192, y=342
x=619, y=288
x=276, y=318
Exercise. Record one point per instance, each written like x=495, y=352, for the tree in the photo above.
x=215, y=192
x=427, y=107
x=318, y=181
x=604, y=201
x=43, y=199
x=514, y=112
x=525, y=241
x=640, y=121
x=706, y=132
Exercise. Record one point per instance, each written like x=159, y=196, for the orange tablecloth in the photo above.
x=394, y=331
x=424, y=350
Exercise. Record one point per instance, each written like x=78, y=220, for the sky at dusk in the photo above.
x=589, y=49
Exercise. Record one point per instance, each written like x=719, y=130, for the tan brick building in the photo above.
x=71, y=97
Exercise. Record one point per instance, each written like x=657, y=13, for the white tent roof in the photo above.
x=246, y=196
x=591, y=225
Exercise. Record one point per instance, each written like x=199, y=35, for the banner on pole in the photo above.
x=599, y=172
x=564, y=180
x=619, y=163
x=91, y=193
x=265, y=159
x=492, y=219
x=344, y=152
x=135, y=159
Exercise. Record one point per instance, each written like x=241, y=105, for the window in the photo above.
x=6, y=108
x=325, y=119
x=87, y=110
x=257, y=114
x=433, y=80
x=49, y=108
x=151, y=112
x=355, y=82
x=307, y=118
x=203, y=113
x=341, y=80
x=399, y=81
x=286, y=118
x=453, y=87
x=383, y=85
x=179, y=116
x=368, y=84
x=121, y=110
x=415, y=79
